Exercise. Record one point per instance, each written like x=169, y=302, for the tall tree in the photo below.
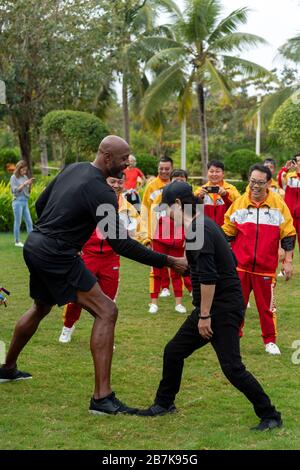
x=287, y=84
x=48, y=60
x=128, y=20
x=203, y=45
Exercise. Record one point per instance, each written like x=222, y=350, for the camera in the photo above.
x=212, y=189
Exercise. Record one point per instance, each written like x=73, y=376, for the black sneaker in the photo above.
x=157, y=410
x=268, y=425
x=110, y=405
x=12, y=375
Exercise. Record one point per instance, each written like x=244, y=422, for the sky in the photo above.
x=274, y=20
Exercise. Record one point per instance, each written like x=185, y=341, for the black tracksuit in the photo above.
x=213, y=264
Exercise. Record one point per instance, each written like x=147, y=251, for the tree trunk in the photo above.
x=23, y=130
x=44, y=154
x=183, y=144
x=203, y=128
x=125, y=108
x=62, y=155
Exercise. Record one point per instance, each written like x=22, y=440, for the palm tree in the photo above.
x=132, y=19
x=290, y=51
x=195, y=60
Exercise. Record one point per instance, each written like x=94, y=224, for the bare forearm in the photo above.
x=207, y=297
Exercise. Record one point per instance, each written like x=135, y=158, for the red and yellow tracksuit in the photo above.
x=291, y=185
x=256, y=230
x=159, y=229
x=169, y=240
x=102, y=261
x=152, y=193
x=215, y=205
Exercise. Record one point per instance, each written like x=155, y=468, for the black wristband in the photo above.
x=204, y=318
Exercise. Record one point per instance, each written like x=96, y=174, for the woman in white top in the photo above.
x=20, y=186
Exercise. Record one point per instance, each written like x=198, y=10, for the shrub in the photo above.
x=6, y=212
x=79, y=132
x=285, y=124
x=8, y=155
x=147, y=163
x=240, y=162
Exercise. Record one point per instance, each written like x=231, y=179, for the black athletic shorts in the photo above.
x=57, y=272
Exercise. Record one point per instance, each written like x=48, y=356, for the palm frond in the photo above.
x=185, y=98
x=229, y=24
x=157, y=43
x=169, y=6
x=200, y=19
x=291, y=49
x=166, y=55
x=246, y=67
x=237, y=41
x=269, y=104
x=218, y=81
x=170, y=81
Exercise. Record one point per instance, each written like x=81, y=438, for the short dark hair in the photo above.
x=179, y=173
x=182, y=191
x=217, y=164
x=295, y=156
x=165, y=160
x=262, y=169
x=270, y=160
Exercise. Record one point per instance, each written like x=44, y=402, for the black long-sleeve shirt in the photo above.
x=214, y=264
x=75, y=202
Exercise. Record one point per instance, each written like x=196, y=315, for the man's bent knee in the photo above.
x=41, y=309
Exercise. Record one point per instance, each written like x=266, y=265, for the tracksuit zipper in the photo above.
x=256, y=240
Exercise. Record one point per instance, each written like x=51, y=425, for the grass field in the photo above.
x=50, y=411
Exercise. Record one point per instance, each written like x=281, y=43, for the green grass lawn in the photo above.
x=51, y=411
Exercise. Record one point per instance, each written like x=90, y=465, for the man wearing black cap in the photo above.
x=219, y=311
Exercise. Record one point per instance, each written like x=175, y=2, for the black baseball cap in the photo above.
x=176, y=190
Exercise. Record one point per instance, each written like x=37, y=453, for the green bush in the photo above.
x=8, y=155
x=80, y=133
x=6, y=212
x=240, y=162
x=241, y=186
x=285, y=124
x=147, y=163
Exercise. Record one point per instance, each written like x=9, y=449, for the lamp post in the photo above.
x=183, y=143
x=258, y=126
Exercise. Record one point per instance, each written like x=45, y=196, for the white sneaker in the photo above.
x=165, y=293
x=191, y=294
x=66, y=334
x=273, y=349
x=180, y=308
x=248, y=305
x=280, y=274
x=20, y=244
x=153, y=308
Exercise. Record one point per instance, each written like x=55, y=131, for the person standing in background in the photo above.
x=20, y=186
x=217, y=195
x=133, y=176
x=289, y=180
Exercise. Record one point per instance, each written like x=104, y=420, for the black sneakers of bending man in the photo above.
x=13, y=375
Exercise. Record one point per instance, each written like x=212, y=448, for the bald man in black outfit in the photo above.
x=68, y=211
